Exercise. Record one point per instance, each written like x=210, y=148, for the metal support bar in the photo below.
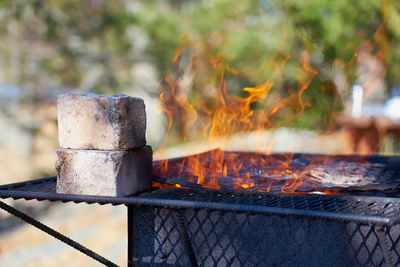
x=385, y=246
x=55, y=234
x=185, y=236
x=130, y=236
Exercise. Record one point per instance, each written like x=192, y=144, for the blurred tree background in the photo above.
x=306, y=56
x=51, y=47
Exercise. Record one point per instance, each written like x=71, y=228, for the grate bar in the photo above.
x=360, y=209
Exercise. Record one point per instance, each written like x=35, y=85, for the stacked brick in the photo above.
x=102, y=145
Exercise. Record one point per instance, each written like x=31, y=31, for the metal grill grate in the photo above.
x=361, y=209
x=351, y=205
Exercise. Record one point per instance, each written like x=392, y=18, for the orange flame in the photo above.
x=226, y=115
x=216, y=113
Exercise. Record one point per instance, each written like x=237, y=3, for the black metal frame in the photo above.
x=360, y=209
x=379, y=212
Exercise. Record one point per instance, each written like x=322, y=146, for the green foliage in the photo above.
x=256, y=38
x=78, y=36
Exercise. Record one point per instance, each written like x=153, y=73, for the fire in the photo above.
x=218, y=112
x=228, y=115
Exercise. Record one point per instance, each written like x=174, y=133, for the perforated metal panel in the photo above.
x=226, y=238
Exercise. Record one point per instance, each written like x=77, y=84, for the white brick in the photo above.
x=105, y=173
x=101, y=122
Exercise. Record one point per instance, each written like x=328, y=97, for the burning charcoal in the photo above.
x=299, y=163
x=305, y=173
x=101, y=122
x=305, y=189
x=341, y=173
x=256, y=171
x=106, y=173
x=226, y=182
x=186, y=181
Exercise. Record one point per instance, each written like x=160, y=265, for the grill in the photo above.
x=204, y=227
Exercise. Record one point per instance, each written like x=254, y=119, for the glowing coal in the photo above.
x=275, y=172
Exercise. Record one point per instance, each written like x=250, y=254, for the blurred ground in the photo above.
x=101, y=228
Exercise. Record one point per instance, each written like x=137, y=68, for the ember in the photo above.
x=290, y=172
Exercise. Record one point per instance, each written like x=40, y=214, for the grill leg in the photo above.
x=141, y=236
x=130, y=236
x=384, y=245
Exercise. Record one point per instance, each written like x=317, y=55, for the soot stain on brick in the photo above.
x=114, y=116
x=112, y=112
x=90, y=146
x=101, y=106
x=62, y=163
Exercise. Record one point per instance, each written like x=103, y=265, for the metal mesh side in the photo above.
x=226, y=238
